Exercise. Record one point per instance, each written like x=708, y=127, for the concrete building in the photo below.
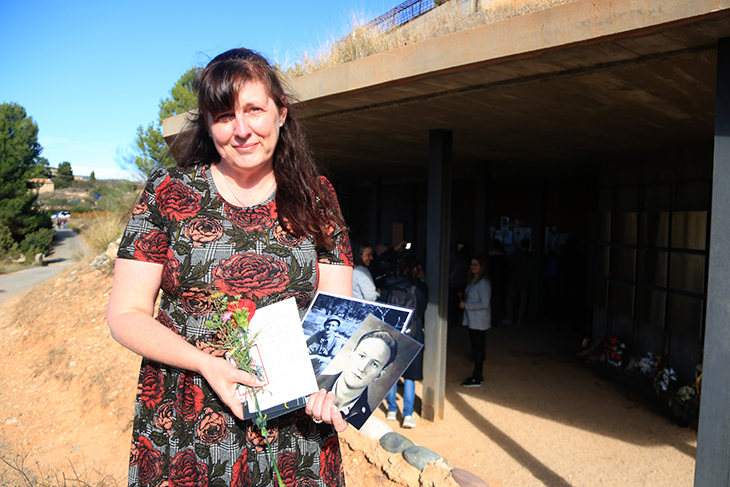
x=606, y=121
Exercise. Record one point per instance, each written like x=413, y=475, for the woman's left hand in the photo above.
x=321, y=407
x=462, y=304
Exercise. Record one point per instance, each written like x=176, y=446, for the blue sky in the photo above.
x=90, y=72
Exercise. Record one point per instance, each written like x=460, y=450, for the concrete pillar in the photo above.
x=712, y=467
x=437, y=273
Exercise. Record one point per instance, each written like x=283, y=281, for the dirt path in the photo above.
x=541, y=419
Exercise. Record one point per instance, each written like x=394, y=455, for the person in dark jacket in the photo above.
x=405, y=278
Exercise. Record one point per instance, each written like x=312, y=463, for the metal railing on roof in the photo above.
x=401, y=14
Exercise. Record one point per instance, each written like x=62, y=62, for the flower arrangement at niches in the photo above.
x=646, y=366
x=613, y=350
x=230, y=323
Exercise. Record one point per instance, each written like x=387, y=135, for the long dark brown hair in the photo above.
x=304, y=204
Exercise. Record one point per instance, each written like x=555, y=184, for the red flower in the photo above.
x=260, y=275
x=196, y=301
x=164, y=416
x=330, y=461
x=252, y=219
x=141, y=206
x=170, y=273
x=212, y=427
x=189, y=401
x=186, y=471
x=286, y=239
x=151, y=387
x=149, y=461
x=243, y=304
x=287, y=464
x=176, y=200
x=241, y=475
x=204, y=230
x=152, y=247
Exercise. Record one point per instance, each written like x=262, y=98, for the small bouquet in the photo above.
x=613, y=350
x=231, y=326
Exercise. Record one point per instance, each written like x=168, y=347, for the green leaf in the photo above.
x=278, y=251
x=202, y=451
x=181, y=248
x=158, y=439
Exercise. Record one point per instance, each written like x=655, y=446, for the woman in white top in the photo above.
x=477, y=315
x=363, y=286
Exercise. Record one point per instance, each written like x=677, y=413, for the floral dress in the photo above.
x=183, y=434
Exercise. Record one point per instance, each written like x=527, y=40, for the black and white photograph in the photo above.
x=372, y=354
x=331, y=320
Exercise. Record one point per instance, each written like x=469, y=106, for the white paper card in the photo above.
x=283, y=352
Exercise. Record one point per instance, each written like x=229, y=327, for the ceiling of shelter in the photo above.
x=568, y=107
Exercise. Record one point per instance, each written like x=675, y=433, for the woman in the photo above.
x=408, y=278
x=244, y=213
x=363, y=286
x=477, y=316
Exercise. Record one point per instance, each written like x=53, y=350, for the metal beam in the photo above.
x=437, y=273
x=712, y=467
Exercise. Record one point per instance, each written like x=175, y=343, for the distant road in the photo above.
x=66, y=244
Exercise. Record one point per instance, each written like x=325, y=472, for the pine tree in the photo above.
x=19, y=162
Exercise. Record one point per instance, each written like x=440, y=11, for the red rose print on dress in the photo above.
x=241, y=475
x=196, y=302
x=287, y=464
x=164, y=416
x=203, y=230
x=176, y=200
x=151, y=385
x=251, y=274
x=212, y=427
x=170, y=273
x=141, y=206
x=165, y=320
x=152, y=247
x=286, y=239
x=306, y=482
x=252, y=219
x=149, y=461
x=303, y=298
x=256, y=439
x=208, y=347
x=186, y=471
x=330, y=461
x=345, y=250
x=189, y=401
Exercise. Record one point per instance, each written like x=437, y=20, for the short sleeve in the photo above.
x=341, y=254
x=145, y=238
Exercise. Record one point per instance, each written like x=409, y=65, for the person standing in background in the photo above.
x=477, y=316
x=363, y=286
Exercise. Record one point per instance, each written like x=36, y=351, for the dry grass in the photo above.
x=18, y=471
x=102, y=229
x=365, y=41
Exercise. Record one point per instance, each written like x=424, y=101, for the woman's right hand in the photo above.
x=224, y=378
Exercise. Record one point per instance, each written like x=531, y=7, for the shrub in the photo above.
x=38, y=242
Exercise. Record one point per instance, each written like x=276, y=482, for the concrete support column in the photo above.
x=712, y=468
x=437, y=273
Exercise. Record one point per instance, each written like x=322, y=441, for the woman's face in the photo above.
x=246, y=136
x=476, y=267
x=367, y=256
